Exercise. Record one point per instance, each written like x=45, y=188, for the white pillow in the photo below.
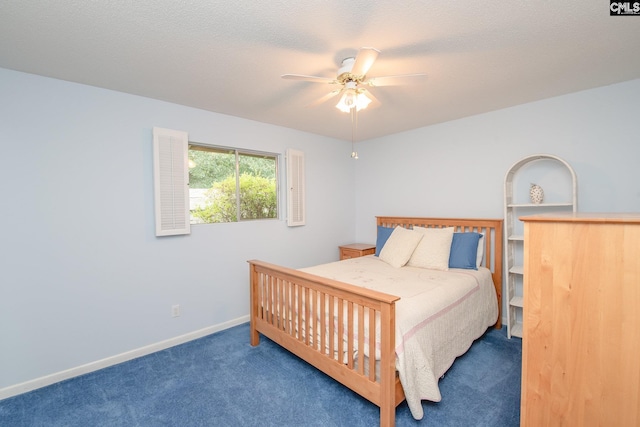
x=434, y=248
x=480, y=253
x=399, y=246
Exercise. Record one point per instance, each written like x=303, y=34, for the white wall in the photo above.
x=457, y=169
x=82, y=275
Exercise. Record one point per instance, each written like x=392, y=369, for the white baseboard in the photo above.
x=34, y=384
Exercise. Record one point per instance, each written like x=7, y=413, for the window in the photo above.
x=230, y=185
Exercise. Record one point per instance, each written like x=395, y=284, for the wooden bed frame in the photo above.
x=277, y=293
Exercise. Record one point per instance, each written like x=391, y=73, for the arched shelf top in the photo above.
x=536, y=157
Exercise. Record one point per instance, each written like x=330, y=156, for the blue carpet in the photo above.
x=220, y=380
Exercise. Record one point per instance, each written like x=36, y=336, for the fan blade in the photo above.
x=392, y=80
x=364, y=60
x=325, y=98
x=314, y=79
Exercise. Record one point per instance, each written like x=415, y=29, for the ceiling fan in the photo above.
x=352, y=81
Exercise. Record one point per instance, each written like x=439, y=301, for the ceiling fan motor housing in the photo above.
x=344, y=72
x=347, y=65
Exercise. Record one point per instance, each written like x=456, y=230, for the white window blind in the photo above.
x=296, y=213
x=171, y=181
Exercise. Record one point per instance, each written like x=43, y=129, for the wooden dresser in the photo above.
x=581, y=337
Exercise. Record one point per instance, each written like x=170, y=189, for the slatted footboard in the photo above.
x=331, y=325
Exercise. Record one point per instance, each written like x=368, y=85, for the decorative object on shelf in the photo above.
x=536, y=194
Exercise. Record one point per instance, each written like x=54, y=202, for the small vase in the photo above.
x=536, y=194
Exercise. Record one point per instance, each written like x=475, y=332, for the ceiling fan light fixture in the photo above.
x=347, y=101
x=362, y=101
x=352, y=99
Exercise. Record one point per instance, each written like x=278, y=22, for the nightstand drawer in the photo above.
x=356, y=250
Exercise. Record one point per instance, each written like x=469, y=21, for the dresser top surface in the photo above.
x=592, y=217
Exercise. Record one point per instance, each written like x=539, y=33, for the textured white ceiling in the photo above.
x=227, y=56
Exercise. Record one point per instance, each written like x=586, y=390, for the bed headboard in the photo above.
x=490, y=228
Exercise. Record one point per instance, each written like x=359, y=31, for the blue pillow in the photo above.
x=464, y=250
x=383, y=235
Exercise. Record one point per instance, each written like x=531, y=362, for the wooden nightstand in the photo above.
x=356, y=250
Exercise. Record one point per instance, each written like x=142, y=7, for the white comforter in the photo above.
x=438, y=316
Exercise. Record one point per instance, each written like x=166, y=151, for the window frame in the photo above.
x=239, y=152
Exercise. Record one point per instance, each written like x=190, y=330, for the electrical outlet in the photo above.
x=175, y=310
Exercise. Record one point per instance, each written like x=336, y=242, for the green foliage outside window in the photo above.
x=213, y=172
x=258, y=200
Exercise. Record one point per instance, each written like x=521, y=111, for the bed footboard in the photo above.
x=334, y=326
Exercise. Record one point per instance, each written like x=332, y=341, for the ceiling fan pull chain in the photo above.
x=354, y=125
